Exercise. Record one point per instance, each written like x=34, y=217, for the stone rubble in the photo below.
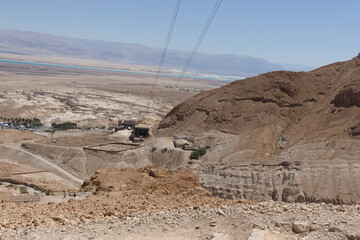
x=238, y=221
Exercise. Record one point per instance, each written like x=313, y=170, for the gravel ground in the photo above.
x=267, y=220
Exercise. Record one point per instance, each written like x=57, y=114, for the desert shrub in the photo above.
x=153, y=149
x=202, y=151
x=309, y=199
x=194, y=155
x=23, y=190
x=338, y=201
x=39, y=189
x=198, y=153
x=64, y=126
x=10, y=186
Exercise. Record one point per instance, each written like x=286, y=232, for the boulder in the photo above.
x=300, y=227
x=58, y=218
x=179, y=143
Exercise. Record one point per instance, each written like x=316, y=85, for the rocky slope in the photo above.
x=115, y=192
x=153, y=203
x=284, y=136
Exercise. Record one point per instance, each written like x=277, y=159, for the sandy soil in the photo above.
x=13, y=136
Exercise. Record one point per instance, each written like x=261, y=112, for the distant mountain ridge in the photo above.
x=32, y=43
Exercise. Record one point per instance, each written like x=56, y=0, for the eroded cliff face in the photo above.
x=288, y=182
x=349, y=96
x=283, y=136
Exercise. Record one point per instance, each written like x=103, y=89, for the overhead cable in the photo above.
x=176, y=10
x=201, y=37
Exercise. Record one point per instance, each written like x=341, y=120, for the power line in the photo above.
x=201, y=37
x=163, y=54
x=176, y=10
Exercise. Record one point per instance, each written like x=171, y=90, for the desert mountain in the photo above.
x=285, y=136
x=20, y=42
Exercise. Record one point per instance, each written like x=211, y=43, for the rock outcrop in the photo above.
x=349, y=96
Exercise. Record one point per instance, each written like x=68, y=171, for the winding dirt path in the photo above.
x=50, y=164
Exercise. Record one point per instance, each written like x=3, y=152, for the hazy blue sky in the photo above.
x=310, y=32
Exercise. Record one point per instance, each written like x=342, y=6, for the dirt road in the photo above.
x=47, y=164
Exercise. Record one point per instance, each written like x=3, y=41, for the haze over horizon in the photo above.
x=22, y=43
x=306, y=33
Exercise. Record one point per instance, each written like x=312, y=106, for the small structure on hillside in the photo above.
x=4, y=124
x=127, y=124
x=140, y=132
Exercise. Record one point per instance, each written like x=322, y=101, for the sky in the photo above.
x=307, y=32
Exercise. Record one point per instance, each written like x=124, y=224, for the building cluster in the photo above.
x=139, y=131
x=7, y=125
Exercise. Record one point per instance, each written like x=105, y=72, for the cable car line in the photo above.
x=173, y=20
x=201, y=37
x=163, y=54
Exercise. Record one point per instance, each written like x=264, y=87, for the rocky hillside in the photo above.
x=285, y=136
